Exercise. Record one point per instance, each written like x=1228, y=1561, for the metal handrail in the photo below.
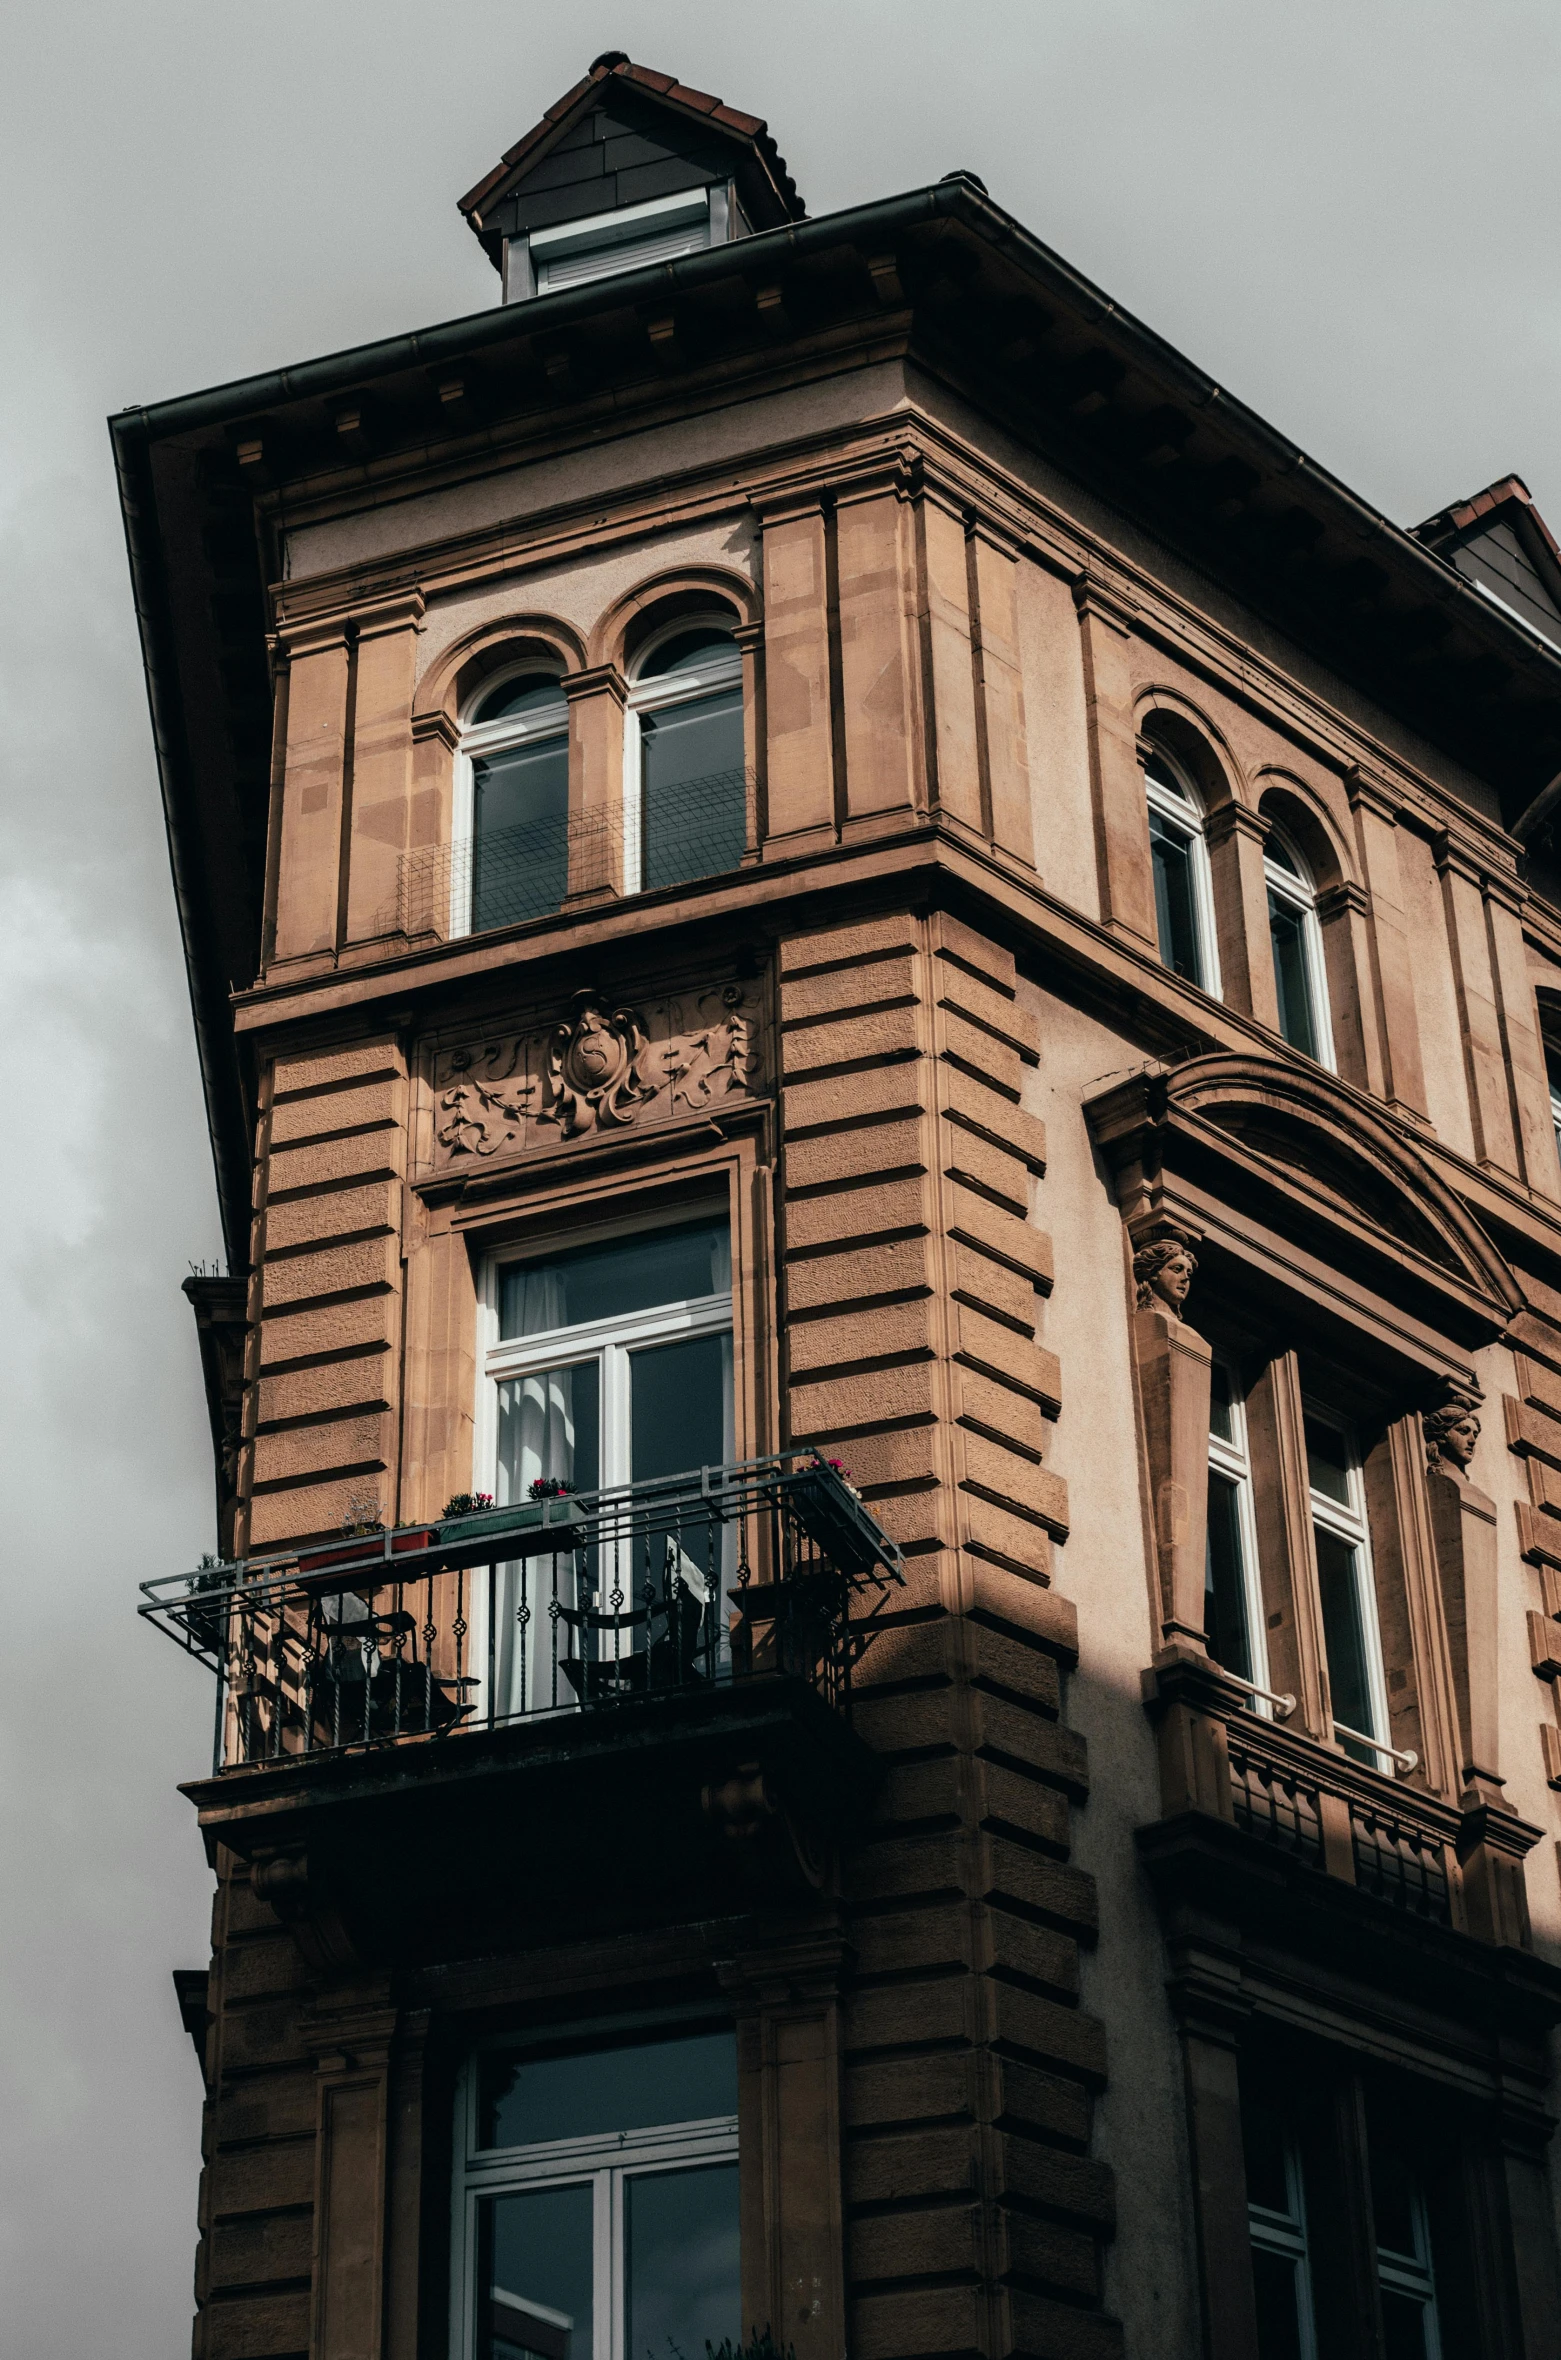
x=1406, y=1761
x=1285, y=1705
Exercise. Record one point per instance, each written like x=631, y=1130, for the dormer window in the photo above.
x=573, y=253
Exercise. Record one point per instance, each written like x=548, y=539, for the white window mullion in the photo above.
x=608, y=2276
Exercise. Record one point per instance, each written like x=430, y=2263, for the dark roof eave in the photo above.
x=863, y=226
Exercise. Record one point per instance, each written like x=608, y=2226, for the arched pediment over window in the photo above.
x=1287, y=1170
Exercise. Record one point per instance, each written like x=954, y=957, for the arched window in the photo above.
x=1300, y=978
x=515, y=785
x=1183, y=900
x=685, y=785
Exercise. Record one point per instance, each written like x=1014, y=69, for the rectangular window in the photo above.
x=1232, y=1604
x=608, y=1364
x=1175, y=898
x=596, y=2200
x=1402, y=2229
x=1346, y=1593
x=1276, y=2220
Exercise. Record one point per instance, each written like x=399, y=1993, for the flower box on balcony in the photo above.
x=835, y=1520
x=524, y=1516
x=370, y=1545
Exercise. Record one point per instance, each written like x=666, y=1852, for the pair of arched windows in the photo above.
x=684, y=811
x=1184, y=908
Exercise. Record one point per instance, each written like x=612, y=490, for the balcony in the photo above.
x=1228, y=1753
x=653, y=1679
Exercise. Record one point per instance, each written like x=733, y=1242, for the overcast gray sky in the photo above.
x=1345, y=212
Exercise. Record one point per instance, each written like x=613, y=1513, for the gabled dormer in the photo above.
x=1499, y=541
x=630, y=167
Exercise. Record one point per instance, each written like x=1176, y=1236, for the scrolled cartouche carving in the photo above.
x=604, y=1065
x=1163, y=1272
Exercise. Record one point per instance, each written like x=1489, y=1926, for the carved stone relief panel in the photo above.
x=605, y=1064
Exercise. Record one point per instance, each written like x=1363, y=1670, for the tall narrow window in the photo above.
x=608, y=1364
x=596, y=2200
x=1276, y=2218
x=1300, y=980
x=1553, y=1073
x=1232, y=1607
x=1344, y=1581
x=686, y=796
x=1406, y=2282
x=1183, y=901
x=515, y=784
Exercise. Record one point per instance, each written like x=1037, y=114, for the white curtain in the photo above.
x=536, y=1438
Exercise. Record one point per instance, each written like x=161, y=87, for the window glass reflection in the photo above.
x=683, y=2291
x=1175, y=907
x=612, y=1280
x=535, y=2274
x=526, y=2100
x=1287, y=927
x=1224, y=1598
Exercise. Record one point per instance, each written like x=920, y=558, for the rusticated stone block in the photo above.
x=361, y=1155
x=322, y=1117
x=335, y=1069
x=891, y=1330
x=256, y=2326
x=333, y=1213
x=304, y=1512
x=898, y=2166
x=1027, y=1742
x=1042, y=2028
x=263, y=2179
x=954, y=941
x=1017, y=1482
x=995, y=1062
x=1026, y=2098
x=260, y=2035
x=1002, y=1663
x=824, y=1406
x=313, y=1450
x=1013, y=1417
x=854, y=1098
x=993, y=1012
x=1060, y=2331
x=995, y=1531
x=1041, y=1618
x=1018, y=1807
x=925, y=1790
x=943, y=2240
x=934, y=2319
x=838, y=946
x=902, y=1868
x=1048, y=2254
x=898, y=2015
x=334, y=1270
x=248, y=2252
x=839, y=1157
x=899, y=1266
x=1035, y=1955
x=839, y=991
x=974, y=1105
x=903, y=1457
x=1023, y=1879
x=904, y=1652
x=973, y=1162
x=856, y=1213
x=305, y=1333
x=271, y=2105
x=994, y=1230
x=910, y=2091
x=261, y=1967
x=854, y=1040
x=360, y=1383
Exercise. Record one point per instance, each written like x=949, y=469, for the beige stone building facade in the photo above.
x=874, y=985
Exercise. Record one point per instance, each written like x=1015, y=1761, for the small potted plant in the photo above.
x=470, y=1515
x=830, y=1511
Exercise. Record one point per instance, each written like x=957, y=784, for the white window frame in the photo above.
x=606, y=2161
x=1553, y=1081
x=1286, y=2234
x=1185, y=811
x=1412, y=2275
x=1299, y=891
x=721, y=669
x=487, y=737
x=1349, y=1524
x=1233, y=1461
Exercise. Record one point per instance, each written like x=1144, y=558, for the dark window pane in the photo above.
x=1338, y=1579
x=1393, y=2180
x=1287, y=932
x=1263, y=2145
x=678, y=1407
x=683, y=2291
x=1222, y=1416
x=1403, y=2327
x=520, y=856
x=689, y=651
x=534, y=2275
x=1173, y=899
x=695, y=798
x=1224, y=1590
x=1327, y=1461
x=524, y=2100
x=1274, y=2279
x=609, y=1281
x=536, y=696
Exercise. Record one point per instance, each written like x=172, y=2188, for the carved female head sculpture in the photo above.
x=1450, y=1436
x=1164, y=1273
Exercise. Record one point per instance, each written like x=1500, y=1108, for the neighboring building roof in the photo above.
x=625, y=134
x=1499, y=540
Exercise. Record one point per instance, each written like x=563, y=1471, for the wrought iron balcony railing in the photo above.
x=575, y=1603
